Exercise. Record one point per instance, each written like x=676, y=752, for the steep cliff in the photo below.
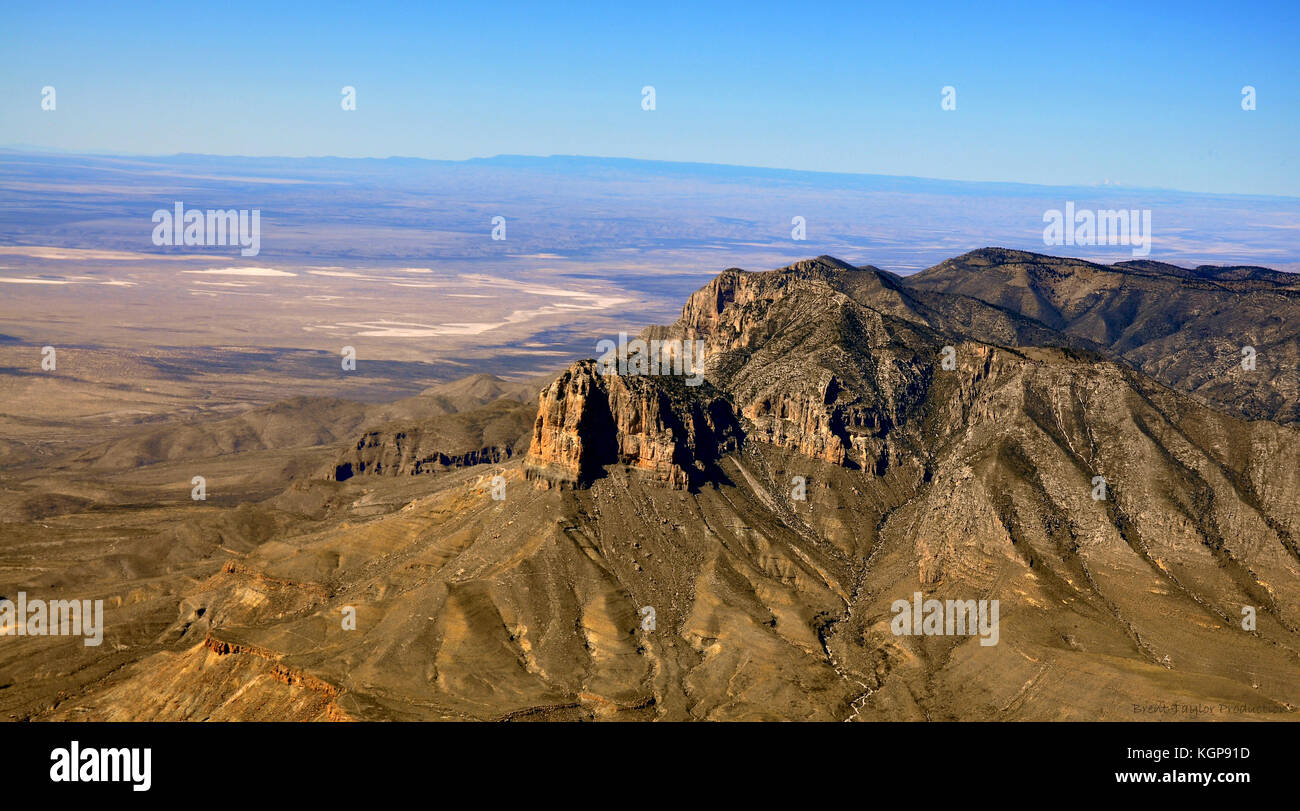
x=655, y=425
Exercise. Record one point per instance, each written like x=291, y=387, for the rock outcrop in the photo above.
x=806, y=366
x=658, y=426
x=488, y=435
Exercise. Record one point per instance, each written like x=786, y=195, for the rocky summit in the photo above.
x=1009, y=487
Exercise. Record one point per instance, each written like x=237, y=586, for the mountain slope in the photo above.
x=736, y=550
x=1186, y=328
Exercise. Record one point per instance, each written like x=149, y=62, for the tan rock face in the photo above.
x=807, y=366
x=400, y=453
x=565, y=411
x=492, y=434
x=810, y=367
x=586, y=420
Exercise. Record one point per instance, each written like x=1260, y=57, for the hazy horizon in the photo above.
x=502, y=157
x=1072, y=98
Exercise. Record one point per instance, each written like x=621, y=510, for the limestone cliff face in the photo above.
x=805, y=365
x=657, y=425
x=838, y=364
x=488, y=435
x=817, y=357
x=403, y=452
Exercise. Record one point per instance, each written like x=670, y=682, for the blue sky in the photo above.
x=1134, y=94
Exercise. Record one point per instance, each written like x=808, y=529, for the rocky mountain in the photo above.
x=1191, y=329
x=739, y=549
x=587, y=420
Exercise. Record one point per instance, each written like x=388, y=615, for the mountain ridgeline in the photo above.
x=1090, y=446
x=844, y=364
